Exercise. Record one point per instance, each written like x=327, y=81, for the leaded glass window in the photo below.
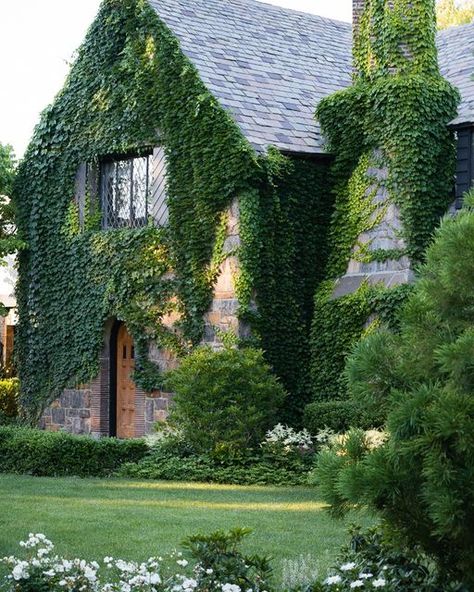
x=124, y=192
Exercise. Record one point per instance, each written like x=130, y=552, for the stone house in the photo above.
x=267, y=67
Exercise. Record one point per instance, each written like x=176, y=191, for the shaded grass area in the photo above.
x=92, y=518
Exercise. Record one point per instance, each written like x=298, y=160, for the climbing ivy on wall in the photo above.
x=130, y=88
x=394, y=117
x=127, y=81
x=283, y=256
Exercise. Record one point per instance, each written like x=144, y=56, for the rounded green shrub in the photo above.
x=9, y=396
x=224, y=400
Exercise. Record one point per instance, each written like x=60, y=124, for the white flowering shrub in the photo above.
x=284, y=438
x=372, y=563
x=42, y=570
x=215, y=565
x=350, y=576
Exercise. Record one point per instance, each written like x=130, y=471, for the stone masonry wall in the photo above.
x=222, y=316
x=385, y=234
x=70, y=413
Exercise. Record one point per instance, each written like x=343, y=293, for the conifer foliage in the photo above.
x=421, y=478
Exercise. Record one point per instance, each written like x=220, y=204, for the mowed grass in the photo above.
x=93, y=518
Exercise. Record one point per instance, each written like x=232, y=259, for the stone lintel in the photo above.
x=348, y=284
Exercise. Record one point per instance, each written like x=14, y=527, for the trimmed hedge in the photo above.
x=339, y=416
x=54, y=454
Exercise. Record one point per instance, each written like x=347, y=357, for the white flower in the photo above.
x=366, y=576
x=210, y=571
x=50, y=573
x=20, y=571
x=90, y=574
x=155, y=578
x=333, y=580
x=230, y=588
x=347, y=566
x=357, y=584
x=182, y=562
x=379, y=583
x=63, y=583
x=189, y=584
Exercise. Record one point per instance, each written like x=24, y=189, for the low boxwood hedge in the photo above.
x=52, y=454
x=339, y=416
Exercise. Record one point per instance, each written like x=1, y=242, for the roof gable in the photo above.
x=267, y=65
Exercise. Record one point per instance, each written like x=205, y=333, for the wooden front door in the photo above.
x=125, y=385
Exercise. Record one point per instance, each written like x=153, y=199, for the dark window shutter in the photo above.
x=93, y=182
x=81, y=188
x=464, y=164
x=158, y=208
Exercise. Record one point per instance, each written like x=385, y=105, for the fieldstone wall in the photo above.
x=70, y=413
x=78, y=411
x=222, y=315
x=157, y=406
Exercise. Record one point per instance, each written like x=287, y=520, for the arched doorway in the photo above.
x=123, y=411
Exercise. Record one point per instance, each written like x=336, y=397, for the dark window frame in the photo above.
x=113, y=208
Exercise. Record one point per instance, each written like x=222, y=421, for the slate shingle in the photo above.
x=270, y=66
x=274, y=64
x=456, y=60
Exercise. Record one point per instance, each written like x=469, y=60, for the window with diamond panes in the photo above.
x=124, y=192
x=131, y=191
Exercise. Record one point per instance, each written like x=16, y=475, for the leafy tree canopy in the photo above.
x=454, y=12
x=9, y=242
x=7, y=169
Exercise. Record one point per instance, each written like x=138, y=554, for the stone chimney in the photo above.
x=357, y=10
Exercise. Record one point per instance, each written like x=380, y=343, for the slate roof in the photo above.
x=456, y=59
x=270, y=66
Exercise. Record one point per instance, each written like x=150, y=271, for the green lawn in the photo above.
x=92, y=518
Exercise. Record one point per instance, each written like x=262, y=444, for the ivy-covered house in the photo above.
x=180, y=191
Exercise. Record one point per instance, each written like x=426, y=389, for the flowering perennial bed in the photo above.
x=216, y=566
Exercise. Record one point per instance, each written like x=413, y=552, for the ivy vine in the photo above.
x=395, y=117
